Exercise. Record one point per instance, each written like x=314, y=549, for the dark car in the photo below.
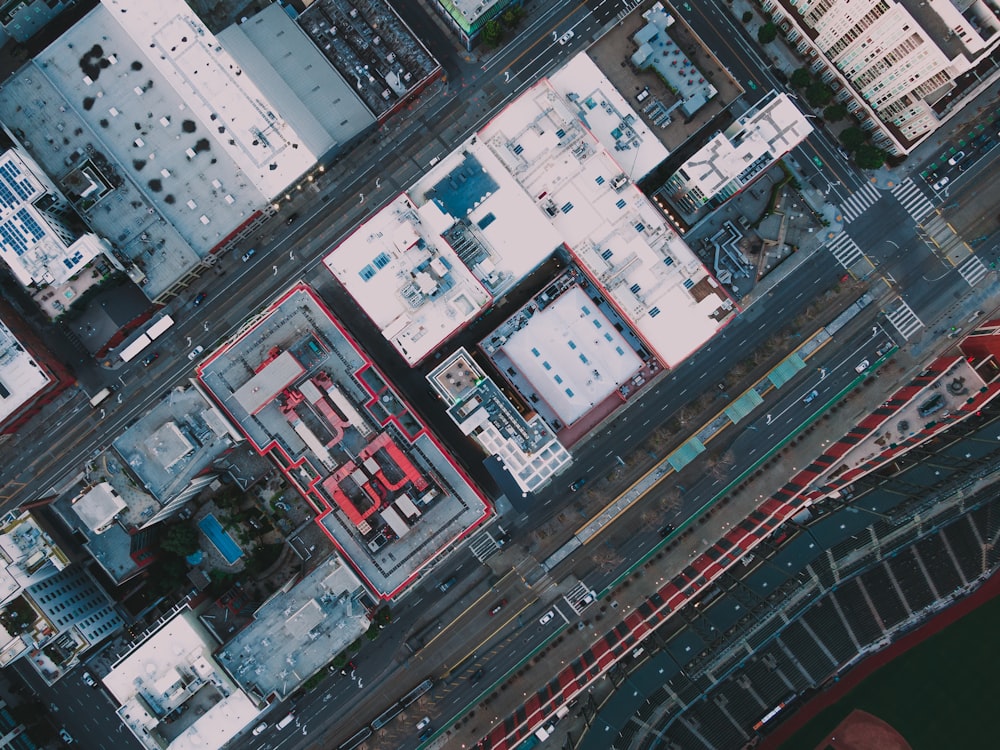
x=497, y=607
x=476, y=676
x=248, y=254
x=291, y=219
x=150, y=359
x=577, y=484
x=667, y=530
x=200, y=298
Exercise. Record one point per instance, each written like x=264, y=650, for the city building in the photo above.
x=307, y=397
x=13, y=734
x=42, y=240
x=525, y=446
x=372, y=48
x=50, y=611
x=614, y=234
x=609, y=116
x=22, y=19
x=30, y=376
x=160, y=140
x=734, y=158
x=468, y=17
x=656, y=50
x=297, y=632
x=903, y=67
x=171, y=692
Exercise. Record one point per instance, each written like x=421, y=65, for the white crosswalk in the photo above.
x=973, y=270
x=904, y=320
x=912, y=198
x=845, y=250
x=860, y=202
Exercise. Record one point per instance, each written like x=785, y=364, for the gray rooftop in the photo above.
x=297, y=633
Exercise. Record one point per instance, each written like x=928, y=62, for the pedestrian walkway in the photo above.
x=973, y=270
x=848, y=254
x=860, y=202
x=912, y=199
x=903, y=319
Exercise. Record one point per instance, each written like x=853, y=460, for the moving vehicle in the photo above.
x=289, y=718
x=424, y=722
x=862, y=366
x=100, y=396
x=248, y=254
x=810, y=397
x=259, y=728
x=497, y=607
x=195, y=352
x=150, y=359
x=291, y=219
x=566, y=37
x=88, y=680
x=666, y=530
x=445, y=585
x=577, y=484
x=200, y=298
x=65, y=736
x=547, y=618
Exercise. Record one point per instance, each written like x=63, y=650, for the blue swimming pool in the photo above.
x=220, y=538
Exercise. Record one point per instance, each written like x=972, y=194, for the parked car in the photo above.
x=941, y=183
x=150, y=359
x=88, y=680
x=248, y=254
x=445, y=585
x=577, y=484
x=862, y=366
x=195, y=352
x=291, y=219
x=956, y=158
x=424, y=722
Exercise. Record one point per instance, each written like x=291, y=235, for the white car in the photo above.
x=941, y=183
x=956, y=158
x=195, y=352
x=259, y=728
x=65, y=737
x=88, y=680
x=423, y=723
x=547, y=618
x=566, y=37
x=862, y=365
x=248, y=254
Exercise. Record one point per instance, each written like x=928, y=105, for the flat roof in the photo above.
x=98, y=506
x=268, y=382
x=340, y=413
x=572, y=355
x=150, y=677
x=297, y=633
x=609, y=116
x=616, y=235
x=268, y=151
x=305, y=88
x=407, y=279
x=32, y=241
x=21, y=377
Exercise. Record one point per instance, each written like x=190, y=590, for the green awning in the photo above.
x=786, y=370
x=686, y=454
x=742, y=406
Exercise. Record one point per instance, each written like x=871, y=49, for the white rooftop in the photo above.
x=171, y=667
x=34, y=243
x=734, y=158
x=486, y=216
x=609, y=116
x=270, y=154
x=21, y=377
x=98, y=506
x=619, y=238
x=28, y=554
x=407, y=279
x=572, y=355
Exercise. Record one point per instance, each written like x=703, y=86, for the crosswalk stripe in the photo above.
x=904, y=320
x=845, y=251
x=860, y=202
x=912, y=199
x=973, y=270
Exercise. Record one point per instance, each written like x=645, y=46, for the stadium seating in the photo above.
x=858, y=613
x=884, y=597
x=828, y=626
x=966, y=547
x=939, y=564
x=911, y=579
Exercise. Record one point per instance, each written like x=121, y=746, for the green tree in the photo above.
x=801, y=77
x=869, y=157
x=818, y=94
x=835, y=112
x=372, y=633
x=492, y=33
x=767, y=33
x=748, y=16
x=181, y=539
x=513, y=16
x=853, y=138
